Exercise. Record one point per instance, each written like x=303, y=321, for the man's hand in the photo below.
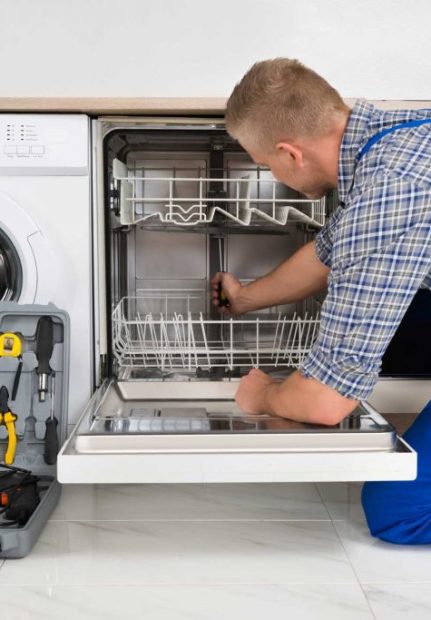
x=232, y=289
x=253, y=390
x=296, y=278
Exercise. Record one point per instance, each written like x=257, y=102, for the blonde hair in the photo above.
x=278, y=99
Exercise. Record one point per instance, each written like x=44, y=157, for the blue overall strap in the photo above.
x=381, y=134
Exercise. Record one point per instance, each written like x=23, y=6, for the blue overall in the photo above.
x=400, y=512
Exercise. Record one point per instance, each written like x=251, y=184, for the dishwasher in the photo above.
x=176, y=200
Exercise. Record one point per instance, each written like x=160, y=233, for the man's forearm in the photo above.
x=296, y=398
x=298, y=277
x=306, y=400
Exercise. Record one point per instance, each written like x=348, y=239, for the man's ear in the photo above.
x=292, y=151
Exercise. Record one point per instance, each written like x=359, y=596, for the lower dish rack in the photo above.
x=189, y=341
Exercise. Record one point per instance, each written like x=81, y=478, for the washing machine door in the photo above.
x=27, y=269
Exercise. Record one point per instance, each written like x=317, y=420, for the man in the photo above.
x=373, y=255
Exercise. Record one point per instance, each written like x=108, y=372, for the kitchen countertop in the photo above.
x=115, y=105
x=148, y=105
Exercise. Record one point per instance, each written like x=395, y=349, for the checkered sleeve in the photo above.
x=323, y=240
x=381, y=253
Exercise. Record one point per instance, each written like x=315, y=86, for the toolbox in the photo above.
x=34, y=367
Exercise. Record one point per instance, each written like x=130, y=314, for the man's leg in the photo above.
x=400, y=512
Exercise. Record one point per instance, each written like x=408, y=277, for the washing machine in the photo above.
x=45, y=227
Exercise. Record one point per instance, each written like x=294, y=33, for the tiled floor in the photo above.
x=215, y=552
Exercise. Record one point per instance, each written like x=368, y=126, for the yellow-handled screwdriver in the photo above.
x=8, y=419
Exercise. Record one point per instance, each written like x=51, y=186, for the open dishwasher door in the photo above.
x=173, y=431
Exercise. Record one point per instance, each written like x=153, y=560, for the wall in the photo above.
x=371, y=48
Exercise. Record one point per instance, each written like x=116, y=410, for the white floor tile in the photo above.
x=378, y=561
x=400, y=601
x=190, y=501
x=183, y=553
x=342, y=499
x=301, y=602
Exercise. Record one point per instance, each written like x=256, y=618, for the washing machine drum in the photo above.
x=10, y=270
x=26, y=261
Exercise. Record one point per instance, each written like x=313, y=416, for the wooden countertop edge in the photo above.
x=150, y=105
x=119, y=105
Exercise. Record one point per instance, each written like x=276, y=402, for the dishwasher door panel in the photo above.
x=173, y=432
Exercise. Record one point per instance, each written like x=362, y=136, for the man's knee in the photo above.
x=400, y=512
x=395, y=512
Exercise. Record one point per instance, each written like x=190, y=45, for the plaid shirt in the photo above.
x=377, y=244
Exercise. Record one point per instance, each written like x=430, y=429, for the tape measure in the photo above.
x=11, y=346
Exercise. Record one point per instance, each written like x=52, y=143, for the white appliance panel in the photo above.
x=45, y=210
x=40, y=144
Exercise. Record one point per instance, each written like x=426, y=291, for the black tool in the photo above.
x=222, y=299
x=16, y=380
x=44, y=347
x=51, y=436
x=19, y=495
x=25, y=500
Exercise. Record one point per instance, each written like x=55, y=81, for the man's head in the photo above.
x=289, y=118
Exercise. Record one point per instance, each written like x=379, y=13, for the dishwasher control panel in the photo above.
x=44, y=144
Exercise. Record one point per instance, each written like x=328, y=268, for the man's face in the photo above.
x=294, y=170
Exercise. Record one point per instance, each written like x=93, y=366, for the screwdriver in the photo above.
x=222, y=299
x=51, y=436
x=44, y=346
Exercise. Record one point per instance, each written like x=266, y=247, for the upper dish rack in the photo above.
x=187, y=201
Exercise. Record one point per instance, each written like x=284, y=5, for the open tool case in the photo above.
x=16, y=540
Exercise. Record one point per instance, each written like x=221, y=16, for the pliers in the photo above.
x=8, y=419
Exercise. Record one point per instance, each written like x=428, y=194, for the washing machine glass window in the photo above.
x=10, y=270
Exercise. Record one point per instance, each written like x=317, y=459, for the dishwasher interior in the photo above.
x=183, y=202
